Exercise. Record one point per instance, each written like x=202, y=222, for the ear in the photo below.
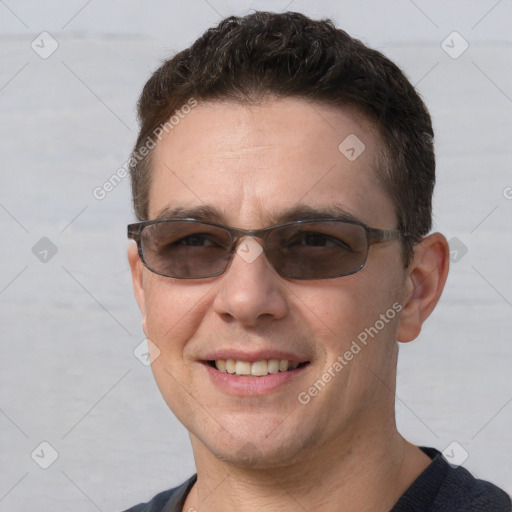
x=136, y=268
x=426, y=277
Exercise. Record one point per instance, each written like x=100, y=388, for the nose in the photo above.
x=251, y=291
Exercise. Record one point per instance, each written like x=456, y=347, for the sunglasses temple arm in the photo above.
x=383, y=235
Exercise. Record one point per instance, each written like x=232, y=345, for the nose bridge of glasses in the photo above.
x=250, y=251
x=238, y=234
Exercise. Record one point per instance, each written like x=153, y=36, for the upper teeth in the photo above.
x=257, y=369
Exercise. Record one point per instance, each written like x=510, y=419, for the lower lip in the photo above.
x=256, y=386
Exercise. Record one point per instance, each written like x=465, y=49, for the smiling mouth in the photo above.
x=260, y=368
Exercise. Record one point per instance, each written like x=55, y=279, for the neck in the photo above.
x=371, y=474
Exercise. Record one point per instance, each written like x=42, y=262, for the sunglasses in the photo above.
x=304, y=249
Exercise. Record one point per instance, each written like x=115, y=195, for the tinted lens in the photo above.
x=318, y=250
x=186, y=249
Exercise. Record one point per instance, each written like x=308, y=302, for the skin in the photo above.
x=342, y=450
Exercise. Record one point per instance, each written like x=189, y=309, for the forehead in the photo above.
x=252, y=163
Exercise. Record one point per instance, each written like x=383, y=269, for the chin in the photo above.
x=258, y=452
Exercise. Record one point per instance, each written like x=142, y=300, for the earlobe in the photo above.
x=137, y=278
x=425, y=282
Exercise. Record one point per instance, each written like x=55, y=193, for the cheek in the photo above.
x=173, y=311
x=173, y=314
x=351, y=308
x=341, y=305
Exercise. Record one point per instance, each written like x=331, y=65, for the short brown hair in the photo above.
x=289, y=55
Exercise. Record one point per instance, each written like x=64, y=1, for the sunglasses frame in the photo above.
x=373, y=236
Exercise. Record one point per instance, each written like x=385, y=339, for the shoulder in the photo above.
x=446, y=488
x=166, y=501
x=462, y=491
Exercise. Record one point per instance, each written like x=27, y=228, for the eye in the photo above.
x=319, y=240
x=196, y=240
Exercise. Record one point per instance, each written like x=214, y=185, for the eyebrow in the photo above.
x=299, y=212
x=199, y=212
x=303, y=212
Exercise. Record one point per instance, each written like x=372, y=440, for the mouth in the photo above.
x=255, y=369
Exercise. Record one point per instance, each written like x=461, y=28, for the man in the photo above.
x=282, y=178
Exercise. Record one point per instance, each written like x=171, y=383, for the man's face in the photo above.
x=252, y=164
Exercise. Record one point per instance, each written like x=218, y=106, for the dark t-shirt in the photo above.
x=440, y=488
